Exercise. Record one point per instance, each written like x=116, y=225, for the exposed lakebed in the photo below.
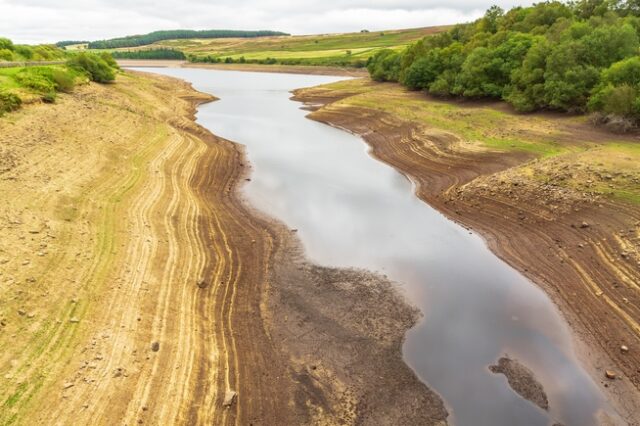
x=351, y=210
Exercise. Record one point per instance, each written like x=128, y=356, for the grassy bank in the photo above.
x=554, y=196
x=349, y=49
x=598, y=162
x=20, y=85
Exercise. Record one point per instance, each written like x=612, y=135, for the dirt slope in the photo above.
x=583, y=249
x=135, y=287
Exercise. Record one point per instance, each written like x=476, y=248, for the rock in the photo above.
x=31, y=315
x=229, y=398
x=21, y=312
x=201, y=283
x=624, y=349
x=584, y=225
x=74, y=319
x=155, y=346
x=609, y=374
x=67, y=385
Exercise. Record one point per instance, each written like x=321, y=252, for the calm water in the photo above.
x=352, y=210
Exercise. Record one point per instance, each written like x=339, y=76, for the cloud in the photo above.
x=37, y=21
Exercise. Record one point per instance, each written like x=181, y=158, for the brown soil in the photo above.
x=522, y=381
x=136, y=288
x=583, y=250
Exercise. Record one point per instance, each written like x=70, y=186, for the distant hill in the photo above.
x=145, y=39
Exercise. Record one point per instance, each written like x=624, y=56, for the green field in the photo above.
x=349, y=49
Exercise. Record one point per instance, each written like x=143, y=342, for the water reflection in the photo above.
x=352, y=210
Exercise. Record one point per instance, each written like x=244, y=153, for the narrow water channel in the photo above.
x=354, y=211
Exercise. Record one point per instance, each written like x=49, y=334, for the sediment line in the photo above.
x=572, y=252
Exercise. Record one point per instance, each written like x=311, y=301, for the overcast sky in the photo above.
x=37, y=21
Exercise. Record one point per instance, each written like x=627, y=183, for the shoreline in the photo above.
x=174, y=299
x=328, y=384
x=440, y=185
x=279, y=69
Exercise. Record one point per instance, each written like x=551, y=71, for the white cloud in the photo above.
x=37, y=21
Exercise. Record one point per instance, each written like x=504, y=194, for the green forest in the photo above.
x=145, y=39
x=576, y=57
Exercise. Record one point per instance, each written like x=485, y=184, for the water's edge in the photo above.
x=502, y=413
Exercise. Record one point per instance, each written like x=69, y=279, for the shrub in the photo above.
x=108, y=58
x=25, y=52
x=5, y=43
x=6, y=55
x=94, y=66
x=49, y=97
x=9, y=102
x=38, y=79
x=64, y=80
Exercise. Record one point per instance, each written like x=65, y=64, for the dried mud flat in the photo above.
x=137, y=288
x=583, y=250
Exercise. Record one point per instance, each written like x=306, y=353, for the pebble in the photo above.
x=229, y=398
x=610, y=374
x=21, y=312
x=584, y=225
x=624, y=349
x=67, y=385
x=155, y=346
x=74, y=319
x=201, y=283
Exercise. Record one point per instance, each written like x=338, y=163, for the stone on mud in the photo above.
x=229, y=398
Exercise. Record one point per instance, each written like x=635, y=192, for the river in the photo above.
x=354, y=211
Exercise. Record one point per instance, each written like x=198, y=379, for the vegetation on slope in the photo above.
x=145, y=39
x=575, y=57
x=19, y=84
x=351, y=49
x=10, y=52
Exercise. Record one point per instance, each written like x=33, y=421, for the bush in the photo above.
x=5, y=43
x=6, y=55
x=64, y=80
x=38, y=79
x=9, y=102
x=94, y=66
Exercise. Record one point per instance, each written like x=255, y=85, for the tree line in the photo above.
x=579, y=57
x=145, y=39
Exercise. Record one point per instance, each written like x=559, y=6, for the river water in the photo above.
x=354, y=211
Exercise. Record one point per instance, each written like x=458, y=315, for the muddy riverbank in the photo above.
x=582, y=249
x=136, y=277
